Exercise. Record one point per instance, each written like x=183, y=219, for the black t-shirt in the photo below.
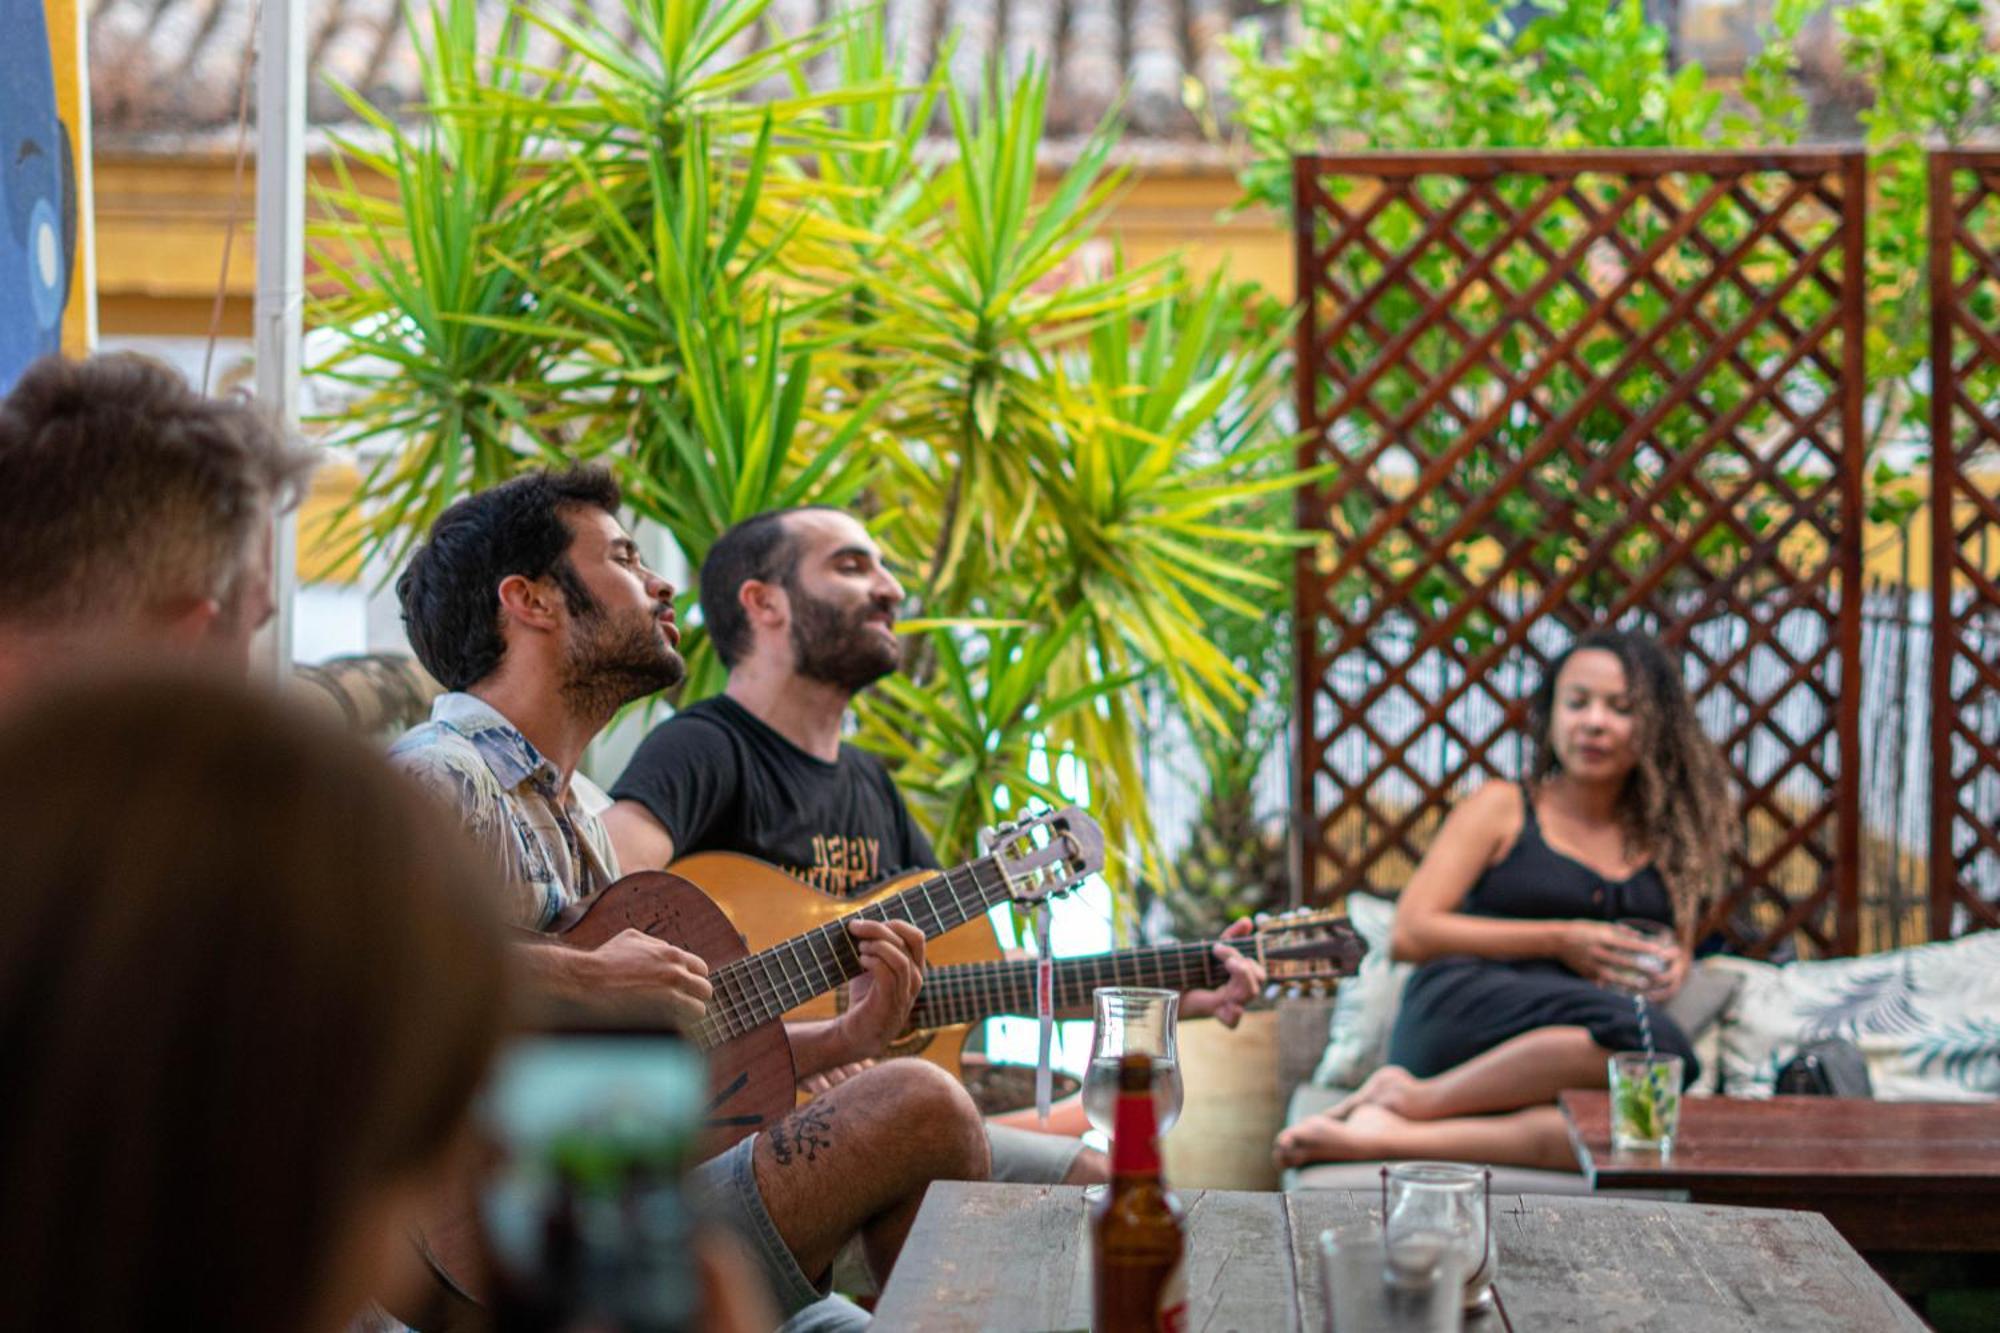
x=719, y=780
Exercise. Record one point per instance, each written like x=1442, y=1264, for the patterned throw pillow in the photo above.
x=1927, y=1018
x=1364, y=1008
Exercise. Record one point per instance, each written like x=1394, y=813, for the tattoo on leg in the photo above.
x=803, y=1134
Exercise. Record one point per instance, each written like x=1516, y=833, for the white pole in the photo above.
x=279, y=311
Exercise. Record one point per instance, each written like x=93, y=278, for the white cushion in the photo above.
x=1927, y=1019
x=1364, y=1006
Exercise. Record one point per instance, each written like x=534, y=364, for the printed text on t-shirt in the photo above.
x=841, y=866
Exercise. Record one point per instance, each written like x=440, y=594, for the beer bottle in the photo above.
x=1138, y=1238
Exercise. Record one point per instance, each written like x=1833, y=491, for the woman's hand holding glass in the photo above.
x=1668, y=983
x=1621, y=958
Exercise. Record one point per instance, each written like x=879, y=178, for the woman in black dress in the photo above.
x=1513, y=914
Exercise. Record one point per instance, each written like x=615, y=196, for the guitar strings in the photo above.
x=746, y=992
x=969, y=992
x=750, y=1010
x=961, y=993
x=950, y=978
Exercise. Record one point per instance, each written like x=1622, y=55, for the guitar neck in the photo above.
x=976, y=991
x=755, y=990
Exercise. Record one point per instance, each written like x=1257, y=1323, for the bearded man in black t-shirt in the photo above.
x=802, y=611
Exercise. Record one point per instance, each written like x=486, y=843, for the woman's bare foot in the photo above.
x=1364, y=1134
x=1391, y=1087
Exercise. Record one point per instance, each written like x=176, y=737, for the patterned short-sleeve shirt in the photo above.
x=552, y=850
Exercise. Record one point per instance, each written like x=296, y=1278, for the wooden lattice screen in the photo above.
x=1567, y=390
x=1965, y=521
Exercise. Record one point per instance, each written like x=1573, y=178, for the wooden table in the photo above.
x=1892, y=1177
x=1017, y=1257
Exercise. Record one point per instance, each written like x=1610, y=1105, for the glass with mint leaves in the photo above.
x=1645, y=1101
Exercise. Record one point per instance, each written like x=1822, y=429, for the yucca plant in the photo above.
x=741, y=304
x=975, y=740
x=1236, y=862
x=413, y=277
x=1166, y=433
x=983, y=304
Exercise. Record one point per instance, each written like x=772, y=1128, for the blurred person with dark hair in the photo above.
x=248, y=985
x=530, y=602
x=137, y=516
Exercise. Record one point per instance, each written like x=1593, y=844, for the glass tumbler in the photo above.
x=1430, y=1206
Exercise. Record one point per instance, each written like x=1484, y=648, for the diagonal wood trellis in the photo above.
x=1569, y=390
x=1965, y=514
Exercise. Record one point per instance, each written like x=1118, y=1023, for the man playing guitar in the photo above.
x=802, y=611
x=530, y=603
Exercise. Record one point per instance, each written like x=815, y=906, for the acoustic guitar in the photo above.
x=752, y=1079
x=966, y=977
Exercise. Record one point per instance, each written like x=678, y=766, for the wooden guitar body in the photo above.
x=751, y=1076
x=768, y=907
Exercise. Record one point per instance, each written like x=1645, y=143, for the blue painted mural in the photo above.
x=38, y=213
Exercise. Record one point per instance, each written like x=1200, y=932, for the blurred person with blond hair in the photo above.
x=135, y=517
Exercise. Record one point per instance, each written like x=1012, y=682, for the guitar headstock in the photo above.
x=1304, y=952
x=1046, y=854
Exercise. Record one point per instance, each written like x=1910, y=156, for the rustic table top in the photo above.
x=1855, y=1143
x=1892, y=1177
x=1017, y=1257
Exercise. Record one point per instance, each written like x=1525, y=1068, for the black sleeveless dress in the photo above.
x=1460, y=1006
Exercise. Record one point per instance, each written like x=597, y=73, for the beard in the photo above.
x=610, y=661
x=840, y=648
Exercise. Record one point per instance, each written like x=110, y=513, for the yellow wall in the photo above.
x=65, y=20
x=161, y=223
x=162, y=226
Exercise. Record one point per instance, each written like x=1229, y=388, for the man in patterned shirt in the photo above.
x=530, y=603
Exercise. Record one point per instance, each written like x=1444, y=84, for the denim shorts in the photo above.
x=724, y=1189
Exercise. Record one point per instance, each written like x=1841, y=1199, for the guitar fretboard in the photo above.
x=755, y=990
x=976, y=991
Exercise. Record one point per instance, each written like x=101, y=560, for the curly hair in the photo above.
x=449, y=592
x=1676, y=803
